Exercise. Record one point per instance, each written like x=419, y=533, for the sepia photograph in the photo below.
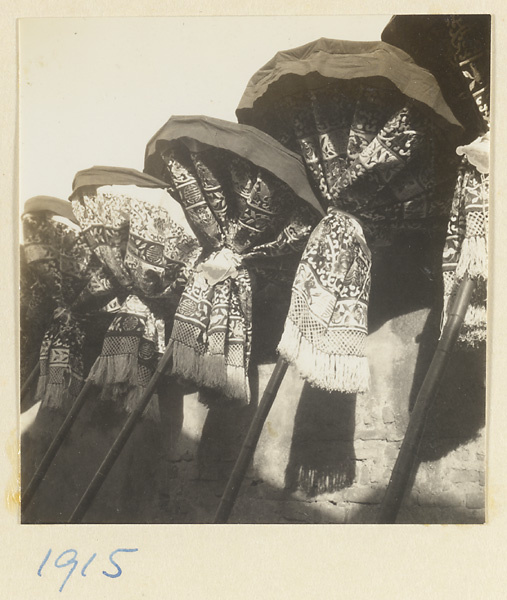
x=253, y=269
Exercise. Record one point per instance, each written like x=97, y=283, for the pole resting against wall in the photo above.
x=405, y=462
x=248, y=448
x=120, y=441
x=51, y=452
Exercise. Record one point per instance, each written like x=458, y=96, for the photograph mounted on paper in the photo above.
x=253, y=269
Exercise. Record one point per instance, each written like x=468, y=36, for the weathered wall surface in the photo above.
x=321, y=458
x=325, y=459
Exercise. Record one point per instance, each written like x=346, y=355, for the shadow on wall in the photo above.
x=133, y=489
x=322, y=457
x=459, y=410
x=405, y=278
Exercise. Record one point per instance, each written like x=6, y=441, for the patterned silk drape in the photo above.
x=67, y=286
x=141, y=237
x=376, y=137
x=457, y=50
x=243, y=195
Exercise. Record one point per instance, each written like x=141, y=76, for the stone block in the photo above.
x=365, y=450
x=331, y=513
x=395, y=435
x=392, y=449
x=365, y=494
x=464, y=476
x=367, y=418
x=362, y=514
x=371, y=434
x=442, y=499
x=364, y=477
x=387, y=414
x=300, y=512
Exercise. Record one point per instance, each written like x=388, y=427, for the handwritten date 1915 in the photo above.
x=68, y=558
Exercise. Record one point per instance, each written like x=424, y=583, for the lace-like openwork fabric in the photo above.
x=248, y=219
x=64, y=275
x=375, y=135
x=142, y=239
x=465, y=250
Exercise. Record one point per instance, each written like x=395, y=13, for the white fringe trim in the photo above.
x=475, y=316
x=347, y=374
x=114, y=369
x=118, y=377
x=56, y=395
x=210, y=370
x=473, y=258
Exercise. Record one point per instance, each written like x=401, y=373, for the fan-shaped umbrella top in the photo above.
x=250, y=204
x=60, y=207
x=373, y=129
x=100, y=175
x=338, y=59
x=260, y=149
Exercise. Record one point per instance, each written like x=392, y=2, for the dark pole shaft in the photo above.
x=407, y=456
x=29, y=381
x=252, y=437
x=50, y=454
x=119, y=443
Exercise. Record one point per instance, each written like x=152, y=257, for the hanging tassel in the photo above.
x=58, y=396
x=121, y=368
x=473, y=258
x=210, y=371
x=331, y=372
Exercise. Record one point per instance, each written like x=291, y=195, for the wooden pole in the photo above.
x=29, y=381
x=248, y=448
x=119, y=443
x=405, y=462
x=51, y=452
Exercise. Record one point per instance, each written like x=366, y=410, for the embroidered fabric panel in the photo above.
x=470, y=43
x=369, y=151
x=130, y=352
x=230, y=203
x=140, y=236
x=61, y=267
x=326, y=328
x=58, y=255
x=465, y=250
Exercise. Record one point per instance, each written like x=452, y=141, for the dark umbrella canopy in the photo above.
x=309, y=66
x=456, y=49
x=371, y=126
x=197, y=133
